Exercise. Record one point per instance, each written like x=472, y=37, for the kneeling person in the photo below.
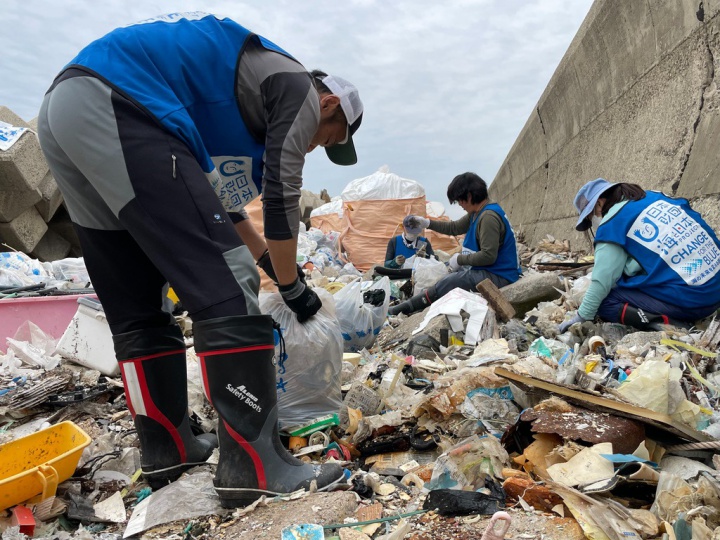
x=489, y=250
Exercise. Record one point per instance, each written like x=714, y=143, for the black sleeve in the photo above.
x=390, y=253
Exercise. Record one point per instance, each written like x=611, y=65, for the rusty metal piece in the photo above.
x=588, y=426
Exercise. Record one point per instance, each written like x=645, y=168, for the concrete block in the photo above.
x=33, y=123
x=14, y=203
x=51, y=197
x=23, y=165
x=24, y=232
x=531, y=289
x=8, y=116
x=51, y=247
x=642, y=138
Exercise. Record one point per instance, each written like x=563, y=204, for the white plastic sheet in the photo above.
x=451, y=304
x=333, y=207
x=382, y=185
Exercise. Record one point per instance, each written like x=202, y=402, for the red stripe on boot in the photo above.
x=235, y=350
x=257, y=461
x=204, y=377
x=665, y=319
x=150, y=408
x=622, y=315
x=157, y=355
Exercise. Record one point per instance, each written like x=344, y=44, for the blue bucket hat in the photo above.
x=587, y=198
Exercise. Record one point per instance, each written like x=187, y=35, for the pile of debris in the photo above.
x=442, y=419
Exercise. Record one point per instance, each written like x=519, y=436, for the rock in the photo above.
x=352, y=534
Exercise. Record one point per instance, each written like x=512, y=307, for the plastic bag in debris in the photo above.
x=20, y=270
x=516, y=334
x=491, y=406
x=360, y=322
x=71, y=269
x=451, y=389
x=455, y=502
x=426, y=273
x=34, y=347
x=189, y=497
x=305, y=245
x=654, y=385
x=349, y=270
x=548, y=348
x=324, y=257
x=467, y=464
x=578, y=290
x=308, y=374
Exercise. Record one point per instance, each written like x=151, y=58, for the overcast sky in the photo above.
x=447, y=86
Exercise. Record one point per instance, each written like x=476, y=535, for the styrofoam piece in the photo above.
x=88, y=340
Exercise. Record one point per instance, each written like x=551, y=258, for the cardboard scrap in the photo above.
x=650, y=418
x=586, y=467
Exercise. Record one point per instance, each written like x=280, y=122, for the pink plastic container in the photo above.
x=51, y=313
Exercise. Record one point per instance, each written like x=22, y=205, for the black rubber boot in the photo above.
x=414, y=304
x=237, y=358
x=643, y=320
x=152, y=364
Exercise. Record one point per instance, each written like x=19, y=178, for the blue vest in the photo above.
x=402, y=249
x=507, y=264
x=677, y=250
x=181, y=69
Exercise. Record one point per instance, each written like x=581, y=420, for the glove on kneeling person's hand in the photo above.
x=454, y=264
x=567, y=324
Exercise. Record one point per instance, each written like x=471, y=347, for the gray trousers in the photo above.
x=467, y=280
x=143, y=208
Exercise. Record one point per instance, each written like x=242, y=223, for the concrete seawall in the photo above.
x=634, y=99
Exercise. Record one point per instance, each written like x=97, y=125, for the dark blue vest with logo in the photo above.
x=402, y=249
x=678, y=252
x=507, y=264
x=181, y=68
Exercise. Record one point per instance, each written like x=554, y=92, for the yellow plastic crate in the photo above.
x=37, y=463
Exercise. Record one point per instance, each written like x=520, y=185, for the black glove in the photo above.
x=301, y=299
x=265, y=263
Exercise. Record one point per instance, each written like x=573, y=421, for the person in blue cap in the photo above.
x=406, y=245
x=657, y=261
x=158, y=134
x=489, y=250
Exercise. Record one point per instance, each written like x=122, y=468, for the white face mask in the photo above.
x=410, y=238
x=596, y=220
